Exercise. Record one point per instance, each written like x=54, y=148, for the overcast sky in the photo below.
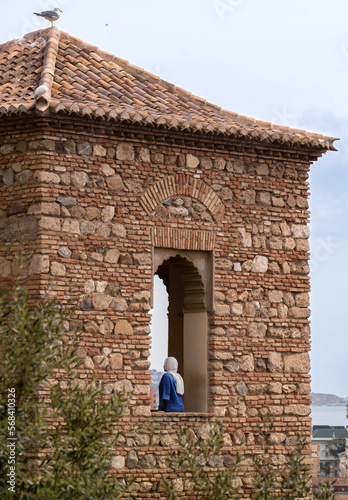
x=284, y=61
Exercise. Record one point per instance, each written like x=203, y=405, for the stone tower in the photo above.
x=111, y=175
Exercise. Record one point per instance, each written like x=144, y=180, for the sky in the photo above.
x=284, y=61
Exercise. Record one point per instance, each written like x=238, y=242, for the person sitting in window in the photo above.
x=171, y=388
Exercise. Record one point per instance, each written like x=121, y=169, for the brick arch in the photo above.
x=183, y=185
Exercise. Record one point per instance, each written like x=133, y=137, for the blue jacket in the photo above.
x=167, y=390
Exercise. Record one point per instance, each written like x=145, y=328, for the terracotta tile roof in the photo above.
x=50, y=71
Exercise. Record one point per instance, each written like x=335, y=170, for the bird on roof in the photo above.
x=50, y=15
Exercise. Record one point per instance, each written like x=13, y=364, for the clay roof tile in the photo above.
x=70, y=76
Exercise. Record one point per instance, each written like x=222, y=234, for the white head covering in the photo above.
x=171, y=366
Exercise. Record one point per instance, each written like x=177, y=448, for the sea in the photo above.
x=329, y=415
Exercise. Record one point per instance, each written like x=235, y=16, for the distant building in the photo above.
x=343, y=457
x=315, y=460
x=154, y=395
x=153, y=398
x=324, y=435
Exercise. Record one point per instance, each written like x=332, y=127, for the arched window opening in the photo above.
x=159, y=337
x=187, y=320
x=159, y=325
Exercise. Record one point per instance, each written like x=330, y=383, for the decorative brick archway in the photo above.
x=183, y=185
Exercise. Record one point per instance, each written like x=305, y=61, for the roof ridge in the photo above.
x=40, y=32
x=44, y=90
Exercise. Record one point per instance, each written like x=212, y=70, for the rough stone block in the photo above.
x=64, y=252
x=92, y=213
x=101, y=361
x=84, y=148
x=247, y=197
x=118, y=230
x=245, y=237
x=192, y=161
x=79, y=179
x=5, y=268
x=118, y=462
x=124, y=386
x=100, y=301
x=297, y=363
x=276, y=438
x=289, y=243
x=274, y=388
x=275, y=243
x=222, y=310
x=106, y=170
x=278, y=201
x=102, y=230
x=39, y=264
x=256, y=329
x=115, y=183
x=299, y=312
x=300, y=231
x=219, y=163
x=87, y=227
x=119, y=304
x=116, y=361
x=43, y=145
x=8, y=177
x=44, y=208
x=108, y=213
x=263, y=198
x=143, y=155
x=143, y=411
x=99, y=150
x=88, y=363
x=237, y=308
x=80, y=352
x=49, y=223
x=302, y=299
x=125, y=151
x=46, y=177
x=275, y=362
x=143, y=259
x=223, y=264
x=302, y=245
x=132, y=459
x=123, y=327
x=275, y=296
x=16, y=208
x=259, y=264
x=107, y=388
x=58, y=269
x=246, y=363
x=299, y=410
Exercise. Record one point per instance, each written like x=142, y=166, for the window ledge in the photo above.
x=181, y=415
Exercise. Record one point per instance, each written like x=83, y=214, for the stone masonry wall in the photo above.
x=87, y=198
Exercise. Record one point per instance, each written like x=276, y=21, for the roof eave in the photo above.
x=317, y=145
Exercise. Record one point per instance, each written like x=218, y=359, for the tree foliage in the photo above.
x=337, y=445
x=291, y=481
x=63, y=447
x=196, y=462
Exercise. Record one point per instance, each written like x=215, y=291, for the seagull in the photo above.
x=50, y=15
